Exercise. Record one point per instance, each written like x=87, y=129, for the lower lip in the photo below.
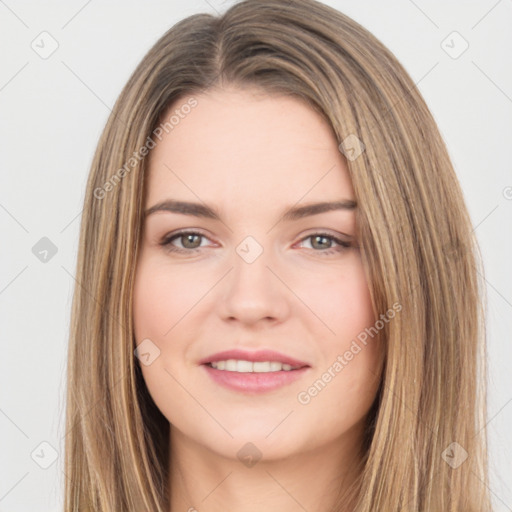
x=254, y=382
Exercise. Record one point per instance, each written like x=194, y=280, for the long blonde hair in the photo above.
x=416, y=242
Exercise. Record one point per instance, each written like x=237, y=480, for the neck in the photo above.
x=202, y=480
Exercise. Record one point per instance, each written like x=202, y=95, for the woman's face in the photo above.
x=250, y=277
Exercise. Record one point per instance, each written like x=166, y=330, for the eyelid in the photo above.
x=340, y=244
x=327, y=232
x=167, y=239
x=335, y=237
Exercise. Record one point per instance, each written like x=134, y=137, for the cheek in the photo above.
x=342, y=301
x=348, y=375
x=160, y=299
x=163, y=297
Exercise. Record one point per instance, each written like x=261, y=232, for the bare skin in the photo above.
x=252, y=156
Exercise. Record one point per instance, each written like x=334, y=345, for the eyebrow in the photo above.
x=290, y=214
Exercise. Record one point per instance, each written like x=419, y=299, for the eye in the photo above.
x=326, y=243
x=189, y=241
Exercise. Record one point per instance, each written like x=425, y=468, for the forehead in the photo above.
x=246, y=144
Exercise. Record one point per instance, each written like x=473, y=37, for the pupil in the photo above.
x=325, y=239
x=189, y=238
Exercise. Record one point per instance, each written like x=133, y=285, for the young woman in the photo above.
x=278, y=305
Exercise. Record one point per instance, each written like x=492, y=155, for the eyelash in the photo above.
x=342, y=245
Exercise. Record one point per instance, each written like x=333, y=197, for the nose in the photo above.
x=252, y=293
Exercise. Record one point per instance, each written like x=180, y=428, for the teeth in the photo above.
x=242, y=366
x=231, y=365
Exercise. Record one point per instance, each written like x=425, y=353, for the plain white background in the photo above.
x=53, y=110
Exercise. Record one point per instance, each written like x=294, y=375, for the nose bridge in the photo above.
x=253, y=292
x=250, y=266
x=250, y=250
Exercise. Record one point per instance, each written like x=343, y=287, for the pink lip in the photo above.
x=259, y=356
x=254, y=382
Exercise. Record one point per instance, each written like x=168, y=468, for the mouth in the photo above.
x=253, y=377
x=244, y=366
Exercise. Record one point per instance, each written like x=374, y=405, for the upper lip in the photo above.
x=260, y=355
